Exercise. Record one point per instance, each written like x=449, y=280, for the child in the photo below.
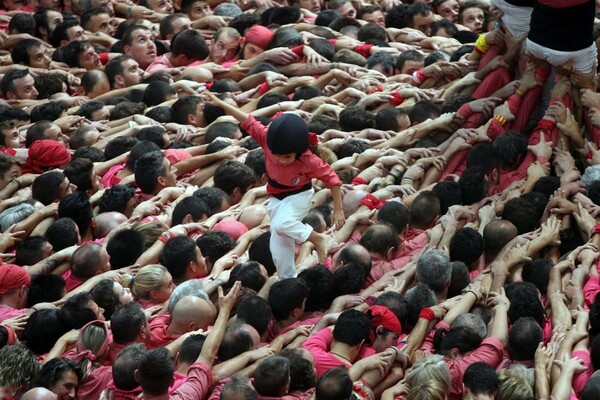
x=290, y=168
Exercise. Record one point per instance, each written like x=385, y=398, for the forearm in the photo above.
x=304, y=69
x=11, y=188
x=102, y=167
x=29, y=223
x=188, y=165
x=417, y=336
x=200, y=177
x=542, y=383
x=560, y=312
x=151, y=255
x=214, y=338
x=499, y=328
x=563, y=386
x=462, y=307
x=230, y=367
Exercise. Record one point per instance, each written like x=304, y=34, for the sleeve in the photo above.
x=255, y=129
x=591, y=289
x=320, y=341
x=581, y=378
x=196, y=385
x=364, y=50
x=299, y=51
x=324, y=172
x=491, y=351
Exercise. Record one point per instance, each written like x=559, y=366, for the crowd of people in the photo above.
x=299, y=199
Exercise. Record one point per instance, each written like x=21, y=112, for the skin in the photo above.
x=132, y=73
x=11, y=137
x=410, y=67
x=142, y=48
x=162, y=6
x=89, y=59
x=124, y=294
x=164, y=292
x=312, y=5
x=76, y=33
x=66, y=386
x=423, y=23
x=13, y=172
x=375, y=18
x=199, y=9
x=473, y=19
x=179, y=25
x=224, y=48
x=101, y=23
x=24, y=89
x=98, y=311
x=449, y=10
x=347, y=10
x=66, y=188
x=39, y=57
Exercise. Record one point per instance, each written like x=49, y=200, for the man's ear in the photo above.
x=136, y=376
x=142, y=333
x=161, y=180
x=188, y=219
x=454, y=353
x=126, y=49
x=119, y=80
x=389, y=255
x=10, y=95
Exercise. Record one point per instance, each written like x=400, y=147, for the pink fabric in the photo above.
x=318, y=345
x=581, y=378
x=176, y=155
x=298, y=173
x=199, y=380
x=70, y=281
x=235, y=229
x=591, y=289
x=96, y=382
x=113, y=351
x=7, y=312
x=258, y=35
x=159, y=336
x=110, y=177
x=13, y=276
x=161, y=62
x=491, y=351
x=272, y=332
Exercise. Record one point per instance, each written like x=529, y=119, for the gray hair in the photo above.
x=471, y=321
x=14, y=215
x=591, y=174
x=227, y=10
x=434, y=269
x=191, y=287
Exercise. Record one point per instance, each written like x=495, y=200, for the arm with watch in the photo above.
x=151, y=255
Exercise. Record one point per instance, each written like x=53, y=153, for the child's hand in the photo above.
x=339, y=219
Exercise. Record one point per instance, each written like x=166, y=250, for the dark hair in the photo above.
x=125, y=365
x=42, y=330
x=213, y=197
x=410, y=55
x=126, y=322
x=54, y=370
x=177, y=254
x=467, y=245
x=524, y=302
x=104, y=295
x=62, y=234
x=355, y=118
x=193, y=206
x=321, y=286
x=286, y=296
x=155, y=372
x=484, y=155
x=124, y=248
x=459, y=279
x=20, y=52
x=238, y=385
x=47, y=85
x=77, y=207
x=7, y=83
x=236, y=340
x=537, y=271
x=92, y=153
x=352, y=327
x=233, y=174
x=148, y=168
x=446, y=25
x=396, y=303
x=256, y=312
x=272, y=376
x=183, y=107
x=385, y=61
x=521, y=213
x=425, y=208
x=448, y=192
x=270, y=99
x=190, y=349
x=473, y=186
x=302, y=373
x=335, y=384
x=156, y=93
x=215, y=244
x=30, y=250
x=22, y=23
x=480, y=378
x=460, y=337
x=260, y=251
x=120, y=145
x=88, y=109
x=349, y=278
x=45, y=288
x=386, y=119
x=75, y=313
x=79, y=172
x=523, y=338
x=512, y=148
x=115, y=198
x=394, y=213
x=249, y=275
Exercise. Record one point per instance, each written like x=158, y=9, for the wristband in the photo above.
x=359, y=181
x=166, y=236
x=419, y=76
x=427, y=313
x=397, y=99
x=129, y=11
x=500, y=119
x=520, y=93
x=371, y=201
x=589, y=155
x=543, y=160
x=481, y=44
x=596, y=229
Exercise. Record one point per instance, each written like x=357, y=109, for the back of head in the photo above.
x=480, y=379
x=155, y=372
x=462, y=338
x=424, y=210
x=434, y=269
x=320, y=281
x=286, y=296
x=349, y=278
x=591, y=390
x=521, y=213
x=272, y=376
x=380, y=239
x=42, y=330
x=46, y=187
x=75, y=312
x=77, y=207
x=352, y=328
x=126, y=323
x=125, y=365
x=497, y=234
x=238, y=387
x=524, y=302
x=256, y=312
x=513, y=385
x=473, y=185
x=86, y=261
x=335, y=384
x=523, y=337
x=467, y=245
x=62, y=233
x=537, y=271
x=459, y=279
x=394, y=213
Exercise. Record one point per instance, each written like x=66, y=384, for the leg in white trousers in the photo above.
x=286, y=229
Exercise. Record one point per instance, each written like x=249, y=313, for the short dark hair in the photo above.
x=45, y=288
x=177, y=254
x=321, y=285
x=77, y=207
x=148, y=169
x=467, y=245
x=75, y=312
x=523, y=337
x=29, y=251
x=7, y=83
x=480, y=378
x=54, y=370
x=272, y=376
x=233, y=174
x=125, y=247
x=20, y=52
x=256, y=312
x=183, y=107
x=62, y=234
x=287, y=295
x=155, y=372
x=115, y=198
x=126, y=322
x=352, y=327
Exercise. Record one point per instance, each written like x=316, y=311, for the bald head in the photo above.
x=192, y=313
x=39, y=393
x=106, y=222
x=253, y=216
x=497, y=234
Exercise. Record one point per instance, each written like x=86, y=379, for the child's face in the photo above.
x=286, y=159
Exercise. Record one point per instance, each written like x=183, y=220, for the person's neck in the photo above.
x=11, y=301
x=147, y=396
x=87, y=236
x=442, y=296
x=284, y=323
x=183, y=368
x=344, y=351
x=175, y=330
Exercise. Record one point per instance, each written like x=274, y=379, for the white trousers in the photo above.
x=287, y=229
x=584, y=60
x=516, y=19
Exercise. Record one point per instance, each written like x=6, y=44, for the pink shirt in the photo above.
x=70, y=281
x=161, y=62
x=159, y=336
x=7, y=312
x=96, y=382
x=199, y=380
x=318, y=345
x=272, y=331
x=110, y=177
